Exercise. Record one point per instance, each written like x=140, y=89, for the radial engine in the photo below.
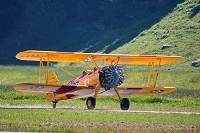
x=111, y=76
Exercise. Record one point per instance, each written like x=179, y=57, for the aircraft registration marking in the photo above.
x=37, y=88
x=156, y=91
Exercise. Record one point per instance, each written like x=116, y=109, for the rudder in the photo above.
x=52, y=78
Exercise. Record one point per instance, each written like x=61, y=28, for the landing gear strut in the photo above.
x=124, y=104
x=91, y=103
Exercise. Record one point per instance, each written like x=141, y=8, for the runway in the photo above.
x=105, y=110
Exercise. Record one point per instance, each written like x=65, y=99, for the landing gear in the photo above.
x=54, y=105
x=124, y=104
x=91, y=103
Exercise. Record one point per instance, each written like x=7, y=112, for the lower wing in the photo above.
x=43, y=89
x=139, y=91
x=74, y=92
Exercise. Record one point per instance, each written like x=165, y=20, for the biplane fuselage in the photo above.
x=95, y=81
x=89, y=79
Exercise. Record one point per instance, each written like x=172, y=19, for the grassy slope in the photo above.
x=180, y=29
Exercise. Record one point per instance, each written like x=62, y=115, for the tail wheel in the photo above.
x=91, y=103
x=54, y=104
x=124, y=104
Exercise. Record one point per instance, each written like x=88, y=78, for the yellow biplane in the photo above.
x=98, y=81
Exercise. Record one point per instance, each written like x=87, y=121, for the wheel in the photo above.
x=54, y=104
x=91, y=102
x=124, y=104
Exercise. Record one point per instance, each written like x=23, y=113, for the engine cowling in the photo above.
x=111, y=76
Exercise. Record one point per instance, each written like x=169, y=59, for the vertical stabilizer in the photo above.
x=52, y=79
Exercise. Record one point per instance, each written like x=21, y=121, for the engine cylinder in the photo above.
x=111, y=76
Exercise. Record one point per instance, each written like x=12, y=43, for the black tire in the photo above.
x=54, y=105
x=124, y=104
x=91, y=103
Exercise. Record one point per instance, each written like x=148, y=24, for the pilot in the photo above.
x=95, y=68
x=83, y=74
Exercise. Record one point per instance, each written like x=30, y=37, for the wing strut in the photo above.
x=158, y=70
x=151, y=74
x=39, y=71
x=95, y=64
x=87, y=65
x=47, y=70
x=66, y=71
x=41, y=68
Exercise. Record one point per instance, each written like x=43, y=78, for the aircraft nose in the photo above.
x=114, y=76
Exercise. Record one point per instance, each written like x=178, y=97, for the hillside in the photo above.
x=176, y=24
x=180, y=29
x=88, y=26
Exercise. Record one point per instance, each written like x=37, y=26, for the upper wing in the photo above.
x=110, y=58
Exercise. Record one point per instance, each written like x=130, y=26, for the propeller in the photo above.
x=112, y=76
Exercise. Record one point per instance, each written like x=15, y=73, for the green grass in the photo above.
x=179, y=28
x=160, y=103
x=37, y=120
x=185, y=98
x=61, y=120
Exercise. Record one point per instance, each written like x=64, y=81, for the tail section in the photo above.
x=52, y=78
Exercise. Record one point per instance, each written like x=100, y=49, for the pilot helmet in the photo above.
x=84, y=72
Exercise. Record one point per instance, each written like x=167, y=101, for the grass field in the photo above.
x=55, y=120
x=99, y=120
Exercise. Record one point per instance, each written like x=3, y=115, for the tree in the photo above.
x=42, y=19
x=114, y=13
